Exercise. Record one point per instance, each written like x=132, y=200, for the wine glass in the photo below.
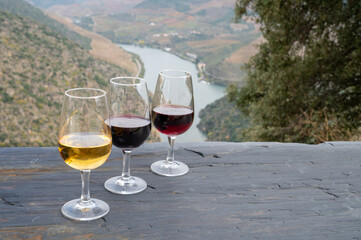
x=130, y=126
x=172, y=115
x=84, y=143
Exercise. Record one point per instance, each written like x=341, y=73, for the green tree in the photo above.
x=304, y=84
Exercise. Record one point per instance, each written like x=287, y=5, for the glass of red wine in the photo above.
x=172, y=115
x=130, y=127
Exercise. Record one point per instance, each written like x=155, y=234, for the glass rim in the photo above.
x=163, y=73
x=141, y=81
x=68, y=93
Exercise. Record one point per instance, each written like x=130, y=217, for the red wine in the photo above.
x=129, y=131
x=172, y=120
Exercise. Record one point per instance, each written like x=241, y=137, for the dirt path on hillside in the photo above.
x=102, y=47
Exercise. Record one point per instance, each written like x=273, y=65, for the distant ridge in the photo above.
x=49, y=3
x=156, y=4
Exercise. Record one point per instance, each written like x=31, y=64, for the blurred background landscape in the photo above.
x=48, y=46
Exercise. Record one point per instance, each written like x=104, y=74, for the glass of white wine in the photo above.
x=84, y=143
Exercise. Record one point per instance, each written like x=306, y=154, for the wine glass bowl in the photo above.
x=172, y=120
x=130, y=126
x=172, y=115
x=84, y=151
x=84, y=144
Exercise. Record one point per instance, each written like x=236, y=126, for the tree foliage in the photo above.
x=304, y=85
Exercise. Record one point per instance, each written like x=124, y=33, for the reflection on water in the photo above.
x=156, y=60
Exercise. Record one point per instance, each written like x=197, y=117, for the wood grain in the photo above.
x=233, y=191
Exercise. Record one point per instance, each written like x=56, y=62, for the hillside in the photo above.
x=37, y=65
x=24, y=9
x=99, y=46
x=222, y=121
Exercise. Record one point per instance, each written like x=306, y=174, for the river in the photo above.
x=154, y=61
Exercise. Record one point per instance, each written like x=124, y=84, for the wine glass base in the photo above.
x=167, y=169
x=77, y=211
x=119, y=186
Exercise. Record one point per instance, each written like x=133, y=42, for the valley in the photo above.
x=200, y=31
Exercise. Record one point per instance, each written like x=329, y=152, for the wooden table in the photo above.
x=233, y=191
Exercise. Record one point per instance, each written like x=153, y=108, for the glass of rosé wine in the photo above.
x=84, y=143
x=172, y=115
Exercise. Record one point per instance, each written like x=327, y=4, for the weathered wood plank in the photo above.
x=233, y=190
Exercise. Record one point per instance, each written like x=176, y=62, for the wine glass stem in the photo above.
x=85, y=193
x=126, y=165
x=170, y=157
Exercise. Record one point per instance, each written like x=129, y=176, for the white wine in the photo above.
x=85, y=151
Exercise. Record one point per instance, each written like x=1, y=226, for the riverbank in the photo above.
x=203, y=75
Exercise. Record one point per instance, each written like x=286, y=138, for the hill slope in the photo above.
x=25, y=9
x=222, y=121
x=36, y=66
